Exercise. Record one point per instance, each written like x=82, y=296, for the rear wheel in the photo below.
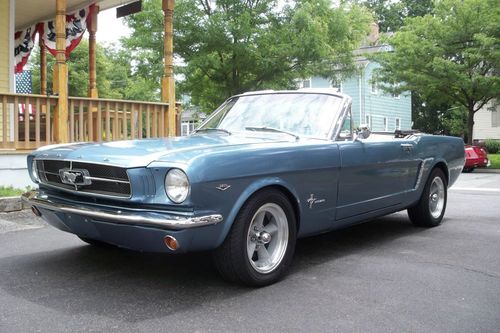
x=467, y=170
x=259, y=247
x=430, y=209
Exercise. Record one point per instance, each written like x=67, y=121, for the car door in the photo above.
x=374, y=174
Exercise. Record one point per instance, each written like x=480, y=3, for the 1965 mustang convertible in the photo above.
x=264, y=169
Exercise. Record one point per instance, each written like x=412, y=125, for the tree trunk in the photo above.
x=470, y=124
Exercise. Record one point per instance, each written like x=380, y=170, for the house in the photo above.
x=382, y=112
x=487, y=122
x=59, y=25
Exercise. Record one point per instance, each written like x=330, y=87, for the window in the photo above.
x=187, y=127
x=374, y=87
x=368, y=120
x=305, y=83
x=385, y=125
x=398, y=123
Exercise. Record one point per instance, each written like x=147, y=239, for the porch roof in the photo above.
x=32, y=11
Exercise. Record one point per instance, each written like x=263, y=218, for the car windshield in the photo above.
x=297, y=114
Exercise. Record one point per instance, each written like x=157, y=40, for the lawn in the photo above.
x=10, y=191
x=495, y=161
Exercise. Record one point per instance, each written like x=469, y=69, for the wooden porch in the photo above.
x=28, y=122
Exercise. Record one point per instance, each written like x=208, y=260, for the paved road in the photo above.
x=383, y=276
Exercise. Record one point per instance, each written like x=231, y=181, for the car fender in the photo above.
x=250, y=190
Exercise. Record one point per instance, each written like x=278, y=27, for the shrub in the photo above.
x=492, y=146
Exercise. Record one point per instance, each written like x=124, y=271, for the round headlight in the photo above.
x=34, y=170
x=177, y=185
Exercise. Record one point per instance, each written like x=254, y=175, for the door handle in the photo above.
x=407, y=147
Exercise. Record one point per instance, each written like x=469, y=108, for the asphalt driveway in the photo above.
x=383, y=276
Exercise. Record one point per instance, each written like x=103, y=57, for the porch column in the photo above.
x=43, y=68
x=92, y=53
x=61, y=76
x=168, y=82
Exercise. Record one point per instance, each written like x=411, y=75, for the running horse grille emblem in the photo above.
x=75, y=177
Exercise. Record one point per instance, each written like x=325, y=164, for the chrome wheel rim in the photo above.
x=436, y=197
x=267, y=238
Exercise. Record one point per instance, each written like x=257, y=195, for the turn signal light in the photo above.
x=171, y=242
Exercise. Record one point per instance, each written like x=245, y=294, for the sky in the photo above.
x=110, y=28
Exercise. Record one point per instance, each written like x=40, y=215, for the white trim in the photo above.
x=368, y=120
x=360, y=104
x=12, y=61
x=12, y=24
x=373, y=88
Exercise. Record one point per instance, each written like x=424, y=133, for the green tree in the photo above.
x=448, y=57
x=115, y=77
x=391, y=14
x=232, y=46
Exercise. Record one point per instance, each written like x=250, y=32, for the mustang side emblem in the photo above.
x=223, y=187
x=312, y=200
x=75, y=177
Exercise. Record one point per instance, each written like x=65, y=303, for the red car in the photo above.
x=475, y=157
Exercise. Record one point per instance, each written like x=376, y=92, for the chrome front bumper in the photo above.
x=169, y=222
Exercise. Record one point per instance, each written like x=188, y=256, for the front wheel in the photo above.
x=430, y=209
x=260, y=245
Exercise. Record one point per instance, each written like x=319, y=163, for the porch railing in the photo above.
x=27, y=121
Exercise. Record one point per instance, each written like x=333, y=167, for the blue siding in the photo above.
x=319, y=82
x=377, y=105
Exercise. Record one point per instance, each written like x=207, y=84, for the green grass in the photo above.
x=10, y=191
x=495, y=161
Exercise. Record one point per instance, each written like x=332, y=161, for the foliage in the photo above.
x=232, y=46
x=438, y=118
x=9, y=191
x=391, y=14
x=449, y=57
x=114, y=74
x=492, y=146
x=495, y=161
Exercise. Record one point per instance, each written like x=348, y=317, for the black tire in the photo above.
x=94, y=242
x=431, y=207
x=468, y=170
x=234, y=259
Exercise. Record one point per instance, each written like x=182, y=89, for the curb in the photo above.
x=482, y=170
x=12, y=204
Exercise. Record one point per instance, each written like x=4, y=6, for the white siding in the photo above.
x=485, y=126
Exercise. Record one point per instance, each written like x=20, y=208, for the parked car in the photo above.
x=264, y=169
x=475, y=157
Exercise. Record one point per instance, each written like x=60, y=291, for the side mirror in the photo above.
x=363, y=132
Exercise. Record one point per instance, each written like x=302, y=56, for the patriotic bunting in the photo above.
x=76, y=24
x=23, y=44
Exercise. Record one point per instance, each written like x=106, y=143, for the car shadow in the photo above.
x=134, y=286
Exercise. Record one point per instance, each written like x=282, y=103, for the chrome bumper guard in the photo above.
x=37, y=199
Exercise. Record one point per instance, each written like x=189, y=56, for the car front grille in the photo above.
x=102, y=179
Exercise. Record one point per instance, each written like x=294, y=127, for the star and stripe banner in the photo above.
x=23, y=44
x=24, y=85
x=76, y=24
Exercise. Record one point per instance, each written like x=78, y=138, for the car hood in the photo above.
x=140, y=153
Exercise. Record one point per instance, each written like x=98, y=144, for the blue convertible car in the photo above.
x=264, y=169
